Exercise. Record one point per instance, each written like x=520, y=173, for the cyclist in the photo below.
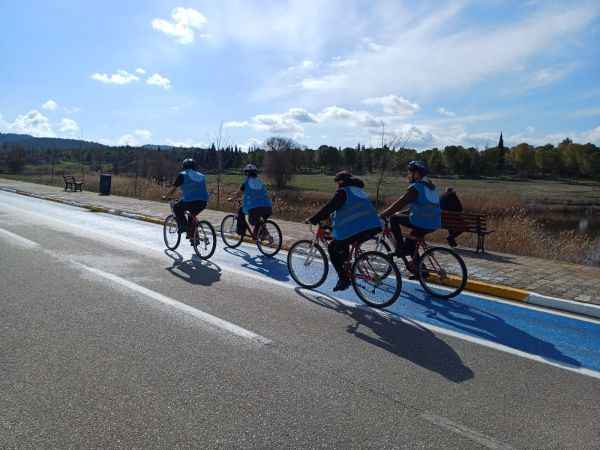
x=255, y=199
x=354, y=219
x=195, y=196
x=424, y=215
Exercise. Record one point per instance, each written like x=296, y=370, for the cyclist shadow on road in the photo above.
x=485, y=325
x=401, y=337
x=194, y=270
x=265, y=265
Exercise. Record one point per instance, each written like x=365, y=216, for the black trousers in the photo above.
x=405, y=246
x=181, y=207
x=339, y=250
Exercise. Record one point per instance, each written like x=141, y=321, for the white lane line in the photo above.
x=13, y=238
x=459, y=429
x=205, y=317
x=464, y=337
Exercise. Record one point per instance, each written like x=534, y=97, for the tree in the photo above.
x=278, y=166
x=16, y=160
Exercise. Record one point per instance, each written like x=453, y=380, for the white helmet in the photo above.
x=250, y=168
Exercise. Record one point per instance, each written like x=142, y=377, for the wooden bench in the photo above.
x=72, y=184
x=464, y=222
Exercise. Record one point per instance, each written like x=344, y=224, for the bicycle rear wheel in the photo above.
x=268, y=238
x=442, y=272
x=229, y=233
x=376, y=279
x=171, y=234
x=204, y=240
x=308, y=264
x=374, y=245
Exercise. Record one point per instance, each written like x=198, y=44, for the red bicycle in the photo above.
x=200, y=233
x=375, y=278
x=266, y=233
x=440, y=270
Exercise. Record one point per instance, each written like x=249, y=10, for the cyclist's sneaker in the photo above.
x=342, y=285
x=451, y=241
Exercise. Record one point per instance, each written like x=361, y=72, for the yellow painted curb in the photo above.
x=481, y=287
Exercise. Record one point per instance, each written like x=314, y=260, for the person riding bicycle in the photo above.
x=255, y=199
x=424, y=215
x=195, y=195
x=354, y=219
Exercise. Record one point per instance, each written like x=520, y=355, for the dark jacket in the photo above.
x=449, y=201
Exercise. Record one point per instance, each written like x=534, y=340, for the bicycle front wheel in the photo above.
x=268, y=239
x=171, y=233
x=308, y=264
x=204, y=240
x=229, y=233
x=442, y=272
x=376, y=279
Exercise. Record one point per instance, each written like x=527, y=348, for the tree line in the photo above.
x=281, y=158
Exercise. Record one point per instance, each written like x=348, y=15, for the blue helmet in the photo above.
x=418, y=166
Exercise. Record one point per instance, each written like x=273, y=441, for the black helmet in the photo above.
x=418, y=166
x=188, y=163
x=343, y=176
x=250, y=169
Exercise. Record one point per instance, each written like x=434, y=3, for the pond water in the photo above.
x=585, y=224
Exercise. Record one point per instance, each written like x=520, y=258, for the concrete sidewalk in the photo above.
x=546, y=277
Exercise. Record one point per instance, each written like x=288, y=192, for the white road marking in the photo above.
x=459, y=429
x=13, y=238
x=205, y=317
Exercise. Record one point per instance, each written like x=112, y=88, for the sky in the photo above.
x=340, y=72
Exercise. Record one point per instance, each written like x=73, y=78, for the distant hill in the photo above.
x=46, y=142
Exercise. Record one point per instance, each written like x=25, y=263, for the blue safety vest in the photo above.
x=193, y=186
x=255, y=195
x=425, y=212
x=356, y=214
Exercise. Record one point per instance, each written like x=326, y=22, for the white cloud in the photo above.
x=234, y=124
x=340, y=62
x=357, y=118
x=50, y=105
x=183, y=27
x=68, y=127
x=135, y=139
x=445, y=112
x=392, y=104
x=549, y=75
x=72, y=109
x=158, y=80
x=429, y=50
x=120, y=77
x=186, y=143
x=33, y=123
x=140, y=71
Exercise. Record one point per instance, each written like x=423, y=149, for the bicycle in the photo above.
x=375, y=278
x=267, y=233
x=200, y=233
x=438, y=269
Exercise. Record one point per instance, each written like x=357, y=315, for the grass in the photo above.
x=511, y=205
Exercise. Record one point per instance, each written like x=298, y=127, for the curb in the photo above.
x=479, y=287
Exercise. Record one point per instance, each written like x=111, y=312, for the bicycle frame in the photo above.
x=192, y=218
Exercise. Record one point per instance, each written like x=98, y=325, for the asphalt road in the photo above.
x=107, y=341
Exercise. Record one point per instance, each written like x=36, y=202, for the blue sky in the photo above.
x=429, y=73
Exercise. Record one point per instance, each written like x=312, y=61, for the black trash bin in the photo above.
x=105, y=180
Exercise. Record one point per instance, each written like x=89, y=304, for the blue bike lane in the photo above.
x=562, y=340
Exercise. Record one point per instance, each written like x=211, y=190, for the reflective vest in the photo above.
x=255, y=195
x=356, y=214
x=425, y=212
x=193, y=186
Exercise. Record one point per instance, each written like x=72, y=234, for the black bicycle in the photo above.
x=200, y=233
x=266, y=233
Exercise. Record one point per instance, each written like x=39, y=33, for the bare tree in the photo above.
x=278, y=165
